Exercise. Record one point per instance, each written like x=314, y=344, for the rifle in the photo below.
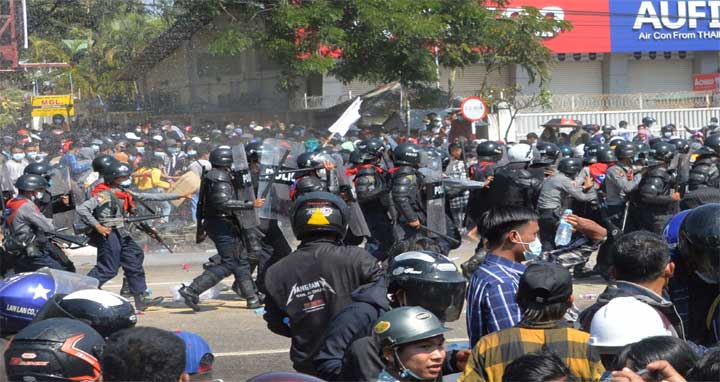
x=80, y=241
x=153, y=234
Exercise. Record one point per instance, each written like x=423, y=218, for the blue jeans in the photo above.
x=193, y=205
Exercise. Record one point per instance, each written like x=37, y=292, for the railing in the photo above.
x=619, y=102
x=318, y=102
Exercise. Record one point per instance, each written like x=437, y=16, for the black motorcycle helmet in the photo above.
x=663, y=151
x=713, y=143
x=699, y=241
x=591, y=152
x=566, y=151
x=356, y=158
x=429, y=280
x=700, y=175
x=100, y=163
x=489, y=151
x=104, y=311
x=307, y=160
x=682, y=145
x=648, y=121
x=319, y=213
x=642, y=150
x=407, y=154
x=253, y=150
x=549, y=152
x=624, y=150
x=43, y=169
x=371, y=146
x=56, y=349
x=570, y=166
x=31, y=182
x=307, y=185
x=116, y=170
x=606, y=156
x=221, y=157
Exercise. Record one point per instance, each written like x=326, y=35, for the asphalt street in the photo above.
x=242, y=345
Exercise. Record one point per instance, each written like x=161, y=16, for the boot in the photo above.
x=191, y=293
x=142, y=302
x=125, y=289
x=247, y=289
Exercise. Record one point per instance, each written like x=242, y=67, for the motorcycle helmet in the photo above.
x=570, y=166
x=682, y=145
x=407, y=154
x=43, y=169
x=489, y=151
x=318, y=213
x=221, y=157
x=57, y=349
x=116, y=170
x=429, y=280
x=520, y=152
x=699, y=241
x=104, y=311
x=31, y=182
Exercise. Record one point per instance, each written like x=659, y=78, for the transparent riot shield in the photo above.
x=277, y=162
x=60, y=183
x=356, y=222
x=243, y=185
x=434, y=191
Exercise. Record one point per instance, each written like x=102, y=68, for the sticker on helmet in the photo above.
x=318, y=217
x=423, y=316
x=382, y=327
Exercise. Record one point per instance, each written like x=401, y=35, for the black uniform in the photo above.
x=308, y=288
x=407, y=198
x=514, y=185
x=372, y=189
x=651, y=205
x=714, y=180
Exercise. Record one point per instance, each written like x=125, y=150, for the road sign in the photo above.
x=50, y=105
x=473, y=109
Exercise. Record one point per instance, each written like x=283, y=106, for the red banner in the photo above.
x=706, y=82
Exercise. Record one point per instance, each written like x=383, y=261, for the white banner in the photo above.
x=347, y=119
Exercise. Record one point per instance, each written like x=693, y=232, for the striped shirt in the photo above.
x=490, y=297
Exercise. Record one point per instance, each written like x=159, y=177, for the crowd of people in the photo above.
x=345, y=241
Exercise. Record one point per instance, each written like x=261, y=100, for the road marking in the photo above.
x=282, y=351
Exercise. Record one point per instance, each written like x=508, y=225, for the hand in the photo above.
x=101, y=229
x=329, y=165
x=588, y=183
x=675, y=196
x=259, y=203
x=663, y=368
x=587, y=227
x=488, y=180
x=189, y=195
x=414, y=224
x=461, y=358
x=65, y=199
x=550, y=172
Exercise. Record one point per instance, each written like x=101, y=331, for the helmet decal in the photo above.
x=319, y=217
x=382, y=327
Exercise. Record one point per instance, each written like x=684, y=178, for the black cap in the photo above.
x=544, y=284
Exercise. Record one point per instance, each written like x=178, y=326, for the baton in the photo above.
x=452, y=240
x=269, y=187
x=625, y=215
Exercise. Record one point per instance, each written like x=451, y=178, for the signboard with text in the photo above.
x=51, y=105
x=706, y=82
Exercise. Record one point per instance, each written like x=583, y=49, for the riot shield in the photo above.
x=60, y=181
x=434, y=191
x=356, y=222
x=243, y=186
x=277, y=161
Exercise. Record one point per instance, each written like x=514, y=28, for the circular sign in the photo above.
x=473, y=109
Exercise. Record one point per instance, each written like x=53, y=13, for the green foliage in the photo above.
x=11, y=105
x=229, y=43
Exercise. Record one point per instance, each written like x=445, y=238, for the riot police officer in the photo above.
x=48, y=204
x=513, y=184
x=545, y=164
x=682, y=162
x=26, y=229
x=406, y=190
x=699, y=191
x=554, y=195
x=620, y=181
x=489, y=154
x=105, y=214
x=709, y=154
x=216, y=207
x=656, y=198
x=311, y=285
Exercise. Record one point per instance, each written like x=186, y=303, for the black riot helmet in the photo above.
x=648, y=121
x=606, y=156
x=221, y=157
x=116, y=170
x=31, y=182
x=682, y=145
x=713, y=143
x=624, y=150
x=699, y=241
x=592, y=150
x=318, y=214
x=101, y=162
x=549, y=152
x=608, y=129
x=307, y=160
x=642, y=150
x=253, y=150
x=700, y=175
x=407, y=154
x=43, y=169
x=308, y=184
x=104, y=311
x=663, y=151
x=356, y=158
x=57, y=349
x=371, y=146
x=429, y=280
x=566, y=151
x=570, y=166
x=489, y=151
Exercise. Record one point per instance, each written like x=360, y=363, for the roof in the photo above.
x=162, y=47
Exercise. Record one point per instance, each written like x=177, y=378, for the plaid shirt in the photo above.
x=491, y=294
x=495, y=351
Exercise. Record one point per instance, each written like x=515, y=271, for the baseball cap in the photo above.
x=198, y=356
x=544, y=284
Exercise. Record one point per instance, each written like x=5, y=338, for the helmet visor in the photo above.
x=444, y=299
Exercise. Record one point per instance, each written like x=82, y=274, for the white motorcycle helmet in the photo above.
x=520, y=152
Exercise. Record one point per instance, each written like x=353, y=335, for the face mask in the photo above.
x=31, y=155
x=159, y=154
x=126, y=183
x=39, y=195
x=18, y=156
x=172, y=150
x=534, y=249
x=140, y=150
x=139, y=131
x=41, y=157
x=131, y=157
x=95, y=148
x=707, y=279
x=667, y=134
x=192, y=153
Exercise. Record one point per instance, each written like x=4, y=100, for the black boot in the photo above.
x=125, y=289
x=142, y=302
x=247, y=289
x=191, y=293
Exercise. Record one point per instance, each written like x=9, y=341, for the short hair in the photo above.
x=498, y=221
x=531, y=135
x=706, y=369
x=419, y=243
x=674, y=350
x=537, y=367
x=639, y=256
x=143, y=354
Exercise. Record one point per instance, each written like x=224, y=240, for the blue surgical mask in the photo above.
x=126, y=183
x=192, y=153
x=95, y=148
x=159, y=154
x=534, y=249
x=18, y=156
x=172, y=150
x=31, y=155
x=131, y=157
x=140, y=150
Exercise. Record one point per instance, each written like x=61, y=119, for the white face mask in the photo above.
x=31, y=155
x=534, y=249
x=39, y=195
x=18, y=156
x=126, y=183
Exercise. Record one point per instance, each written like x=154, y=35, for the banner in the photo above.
x=50, y=105
x=350, y=116
x=706, y=82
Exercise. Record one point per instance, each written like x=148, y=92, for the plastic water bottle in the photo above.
x=564, y=232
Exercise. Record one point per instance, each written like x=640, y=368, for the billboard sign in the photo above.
x=706, y=82
x=51, y=105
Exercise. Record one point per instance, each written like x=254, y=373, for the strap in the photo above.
x=711, y=312
x=14, y=205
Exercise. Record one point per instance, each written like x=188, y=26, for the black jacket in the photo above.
x=354, y=321
x=311, y=286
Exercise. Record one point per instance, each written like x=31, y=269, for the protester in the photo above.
x=542, y=366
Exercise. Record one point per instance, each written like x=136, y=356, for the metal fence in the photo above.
x=692, y=118
x=620, y=102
